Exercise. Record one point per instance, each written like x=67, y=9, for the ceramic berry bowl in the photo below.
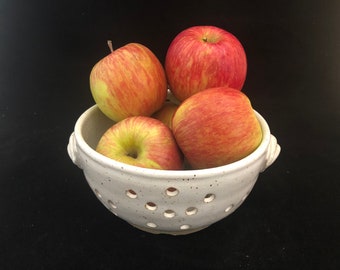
x=161, y=201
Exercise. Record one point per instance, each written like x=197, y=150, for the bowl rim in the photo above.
x=169, y=174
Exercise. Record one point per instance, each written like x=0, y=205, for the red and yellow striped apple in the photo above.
x=215, y=127
x=141, y=141
x=202, y=57
x=130, y=81
x=166, y=113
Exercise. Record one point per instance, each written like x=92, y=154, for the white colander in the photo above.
x=161, y=201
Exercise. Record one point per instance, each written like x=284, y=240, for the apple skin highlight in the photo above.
x=130, y=81
x=202, y=57
x=141, y=141
x=215, y=127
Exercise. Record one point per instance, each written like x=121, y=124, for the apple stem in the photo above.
x=205, y=39
x=109, y=43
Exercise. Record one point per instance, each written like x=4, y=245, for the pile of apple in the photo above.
x=208, y=122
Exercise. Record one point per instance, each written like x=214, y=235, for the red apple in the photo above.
x=215, y=127
x=129, y=81
x=141, y=141
x=202, y=57
x=166, y=113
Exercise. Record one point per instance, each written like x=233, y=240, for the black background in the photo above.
x=49, y=217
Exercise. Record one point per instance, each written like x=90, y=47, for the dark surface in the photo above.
x=49, y=217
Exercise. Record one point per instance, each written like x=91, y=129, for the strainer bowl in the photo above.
x=163, y=201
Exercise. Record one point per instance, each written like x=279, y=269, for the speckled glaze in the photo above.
x=159, y=201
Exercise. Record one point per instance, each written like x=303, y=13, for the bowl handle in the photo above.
x=273, y=152
x=72, y=150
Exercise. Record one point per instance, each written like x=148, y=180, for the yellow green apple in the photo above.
x=141, y=141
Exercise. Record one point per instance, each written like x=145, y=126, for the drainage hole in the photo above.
x=98, y=194
x=191, y=211
x=171, y=191
x=169, y=213
x=229, y=208
x=209, y=198
x=151, y=206
x=184, y=227
x=151, y=225
x=244, y=197
x=111, y=204
x=131, y=194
